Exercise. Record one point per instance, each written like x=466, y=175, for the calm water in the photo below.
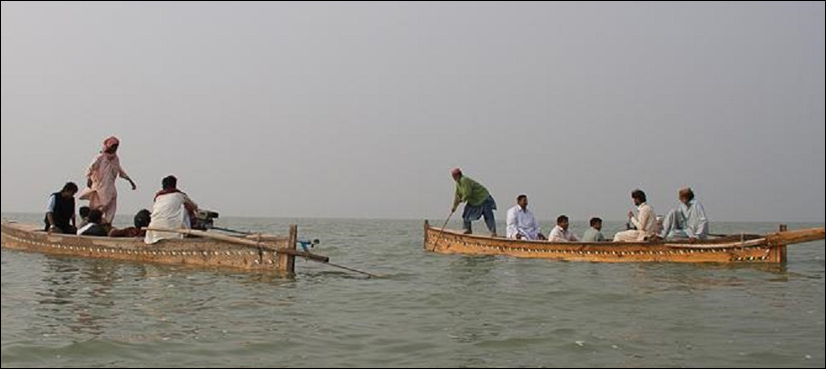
x=432, y=311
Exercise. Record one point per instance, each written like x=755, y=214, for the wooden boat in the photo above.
x=771, y=248
x=270, y=254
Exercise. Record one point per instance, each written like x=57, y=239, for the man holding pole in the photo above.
x=478, y=201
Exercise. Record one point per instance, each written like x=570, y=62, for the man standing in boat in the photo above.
x=60, y=214
x=688, y=222
x=478, y=201
x=101, y=175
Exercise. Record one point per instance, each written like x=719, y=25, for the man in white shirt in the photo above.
x=172, y=211
x=645, y=224
x=521, y=223
x=561, y=232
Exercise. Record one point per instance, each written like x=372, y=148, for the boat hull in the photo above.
x=188, y=252
x=735, y=249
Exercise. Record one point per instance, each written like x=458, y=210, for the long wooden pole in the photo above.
x=238, y=241
x=244, y=242
x=447, y=221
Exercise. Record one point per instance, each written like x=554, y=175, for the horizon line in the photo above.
x=231, y=216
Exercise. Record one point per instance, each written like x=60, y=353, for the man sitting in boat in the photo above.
x=173, y=210
x=95, y=228
x=561, y=232
x=60, y=213
x=142, y=220
x=594, y=234
x=688, y=222
x=84, y=216
x=645, y=223
x=479, y=202
x=521, y=223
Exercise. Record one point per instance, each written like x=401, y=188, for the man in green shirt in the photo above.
x=594, y=234
x=478, y=201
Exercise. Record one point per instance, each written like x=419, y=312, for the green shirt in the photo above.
x=593, y=235
x=471, y=192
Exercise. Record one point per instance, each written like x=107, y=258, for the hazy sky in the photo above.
x=361, y=109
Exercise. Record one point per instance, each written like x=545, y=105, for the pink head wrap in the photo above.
x=456, y=172
x=109, y=143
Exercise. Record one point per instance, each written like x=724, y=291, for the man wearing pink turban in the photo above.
x=101, y=175
x=478, y=202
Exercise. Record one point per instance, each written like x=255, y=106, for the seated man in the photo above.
x=561, y=232
x=645, y=224
x=60, y=213
x=594, y=234
x=142, y=220
x=95, y=228
x=688, y=222
x=84, y=216
x=173, y=210
x=521, y=223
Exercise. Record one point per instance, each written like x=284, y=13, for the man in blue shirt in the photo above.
x=688, y=222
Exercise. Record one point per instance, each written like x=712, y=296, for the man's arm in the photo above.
x=50, y=211
x=645, y=217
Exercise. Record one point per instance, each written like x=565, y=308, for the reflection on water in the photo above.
x=77, y=299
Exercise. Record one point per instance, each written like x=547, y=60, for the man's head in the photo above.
x=142, y=219
x=563, y=222
x=69, y=190
x=639, y=197
x=170, y=183
x=95, y=216
x=686, y=195
x=596, y=223
x=111, y=145
x=457, y=174
x=522, y=201
x=84, y=212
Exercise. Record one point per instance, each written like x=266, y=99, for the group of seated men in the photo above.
x=687, y=222
x=172, y=209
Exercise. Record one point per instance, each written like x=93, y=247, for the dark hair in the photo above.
x=170, y=183
x=70, y=187
x=521, y=197
x=95, y=216
x=562, y=219
x=84, y=212
x=688, y=193
x=595, y=221
x=639, y=195
x=143, y=218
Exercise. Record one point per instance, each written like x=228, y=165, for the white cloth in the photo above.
x=85, y=228
x=52, y=203
x=646, y=225
x=561, y=235
x=168, y=213
x=521, y=221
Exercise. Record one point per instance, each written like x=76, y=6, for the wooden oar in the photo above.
x=243, y=242
x=371, y=275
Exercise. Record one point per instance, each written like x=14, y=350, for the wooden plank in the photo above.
x=286, y=262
